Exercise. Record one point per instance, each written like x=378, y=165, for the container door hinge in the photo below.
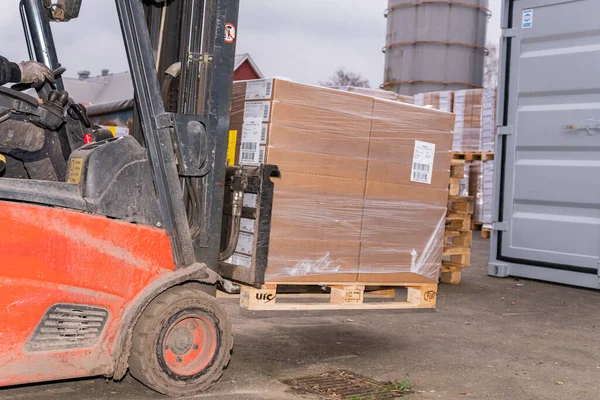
x=509, y=32
x=505, y=130
x=500, y=226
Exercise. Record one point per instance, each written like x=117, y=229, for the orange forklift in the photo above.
x=111, y=265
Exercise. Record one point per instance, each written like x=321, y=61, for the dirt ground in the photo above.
x=489, y=339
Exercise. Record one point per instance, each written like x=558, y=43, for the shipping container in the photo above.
x=546, y=208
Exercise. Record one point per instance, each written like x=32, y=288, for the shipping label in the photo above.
x=259, y=90
x=257, y=109
x=250, y=143
x=250, y=200
x=245, y=243
x=240, y=259
x=422, y=166
x=247, y=225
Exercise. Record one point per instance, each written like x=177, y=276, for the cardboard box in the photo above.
x=364, y=182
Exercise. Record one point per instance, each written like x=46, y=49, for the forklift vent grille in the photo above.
x=67, y=326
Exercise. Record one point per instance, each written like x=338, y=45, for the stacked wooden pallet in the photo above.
x=458, y=235
x=473, y=155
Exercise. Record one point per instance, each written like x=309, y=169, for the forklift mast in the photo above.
x=182, y=118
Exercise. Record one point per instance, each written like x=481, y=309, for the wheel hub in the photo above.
x=189, y=344
x=181, y=340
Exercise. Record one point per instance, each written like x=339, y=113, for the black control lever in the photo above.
x=79, y=113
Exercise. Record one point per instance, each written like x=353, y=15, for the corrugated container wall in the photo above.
x=435, y=46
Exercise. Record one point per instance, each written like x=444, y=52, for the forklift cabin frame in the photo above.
x=59, y=255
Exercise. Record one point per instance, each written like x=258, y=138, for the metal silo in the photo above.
x=435, y=45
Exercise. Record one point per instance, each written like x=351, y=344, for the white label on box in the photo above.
x=257, y=109
x=240, y=259
x=263, y=134
x=420, y=99
x=247, y=225
x=250, y=143
x=250, y=200
x=259, y=90
x=422, y=166
x=245, y=243
x=261, y=154
x=527, y=18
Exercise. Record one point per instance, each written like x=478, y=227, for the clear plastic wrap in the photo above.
x=442, y=101
x=363, y=194
x=467, y=130
x=488, y=120
x=487, y=191
x=476, y=189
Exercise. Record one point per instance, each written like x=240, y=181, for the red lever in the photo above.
x=87, y=138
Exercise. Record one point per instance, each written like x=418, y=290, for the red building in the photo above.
x=245, y=68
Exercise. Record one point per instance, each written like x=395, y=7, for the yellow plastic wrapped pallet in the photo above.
x=364, y=182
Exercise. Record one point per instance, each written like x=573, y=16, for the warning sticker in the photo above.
x=117, y=131
x=422, y=166
x=230, y=33
x=245, y=243
x=259, y=89
x=249, y=148
x=528, y=18
x=250, y=200
x=75, y=170
x=247, y=225
x=257, y=109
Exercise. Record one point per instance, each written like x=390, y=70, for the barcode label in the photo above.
x=251, y=132
x=249, y=146
x=422, y=166
x=248, y=157
x=263, y=133
x=240, y=259
x=245, y=243
x=261, y=155
x=259, y=89
x=250, y=200
x=247, y=225
x=257, y=109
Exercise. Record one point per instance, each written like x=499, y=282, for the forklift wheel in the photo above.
x=181, y=343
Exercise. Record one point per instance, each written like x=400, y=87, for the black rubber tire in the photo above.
x=144, y=364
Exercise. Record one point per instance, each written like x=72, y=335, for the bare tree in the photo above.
x=491, y=67
x=341, y=77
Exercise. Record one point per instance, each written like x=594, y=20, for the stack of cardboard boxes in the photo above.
x=364, y=182
x=467, y=130
x=442, y=101
x=474, y=131
x=488, y=142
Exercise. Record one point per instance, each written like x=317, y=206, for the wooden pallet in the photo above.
x=462, y=205
x=473, y=155
x=486, y=233
x=338, y=297
x=457, y=169
x=476, y=225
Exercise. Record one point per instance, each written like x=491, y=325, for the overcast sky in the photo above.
x=303, y=40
